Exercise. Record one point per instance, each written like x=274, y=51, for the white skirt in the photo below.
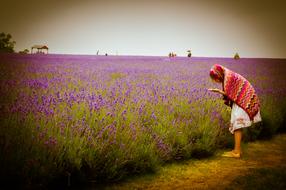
x=240, y=119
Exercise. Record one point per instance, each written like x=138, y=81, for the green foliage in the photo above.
x=25, y=51
x=6, y=43
x=236, y=56
x=112, y=142
x=189, y=53
x=273, y=114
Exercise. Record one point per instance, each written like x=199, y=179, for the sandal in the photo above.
x=231, y=154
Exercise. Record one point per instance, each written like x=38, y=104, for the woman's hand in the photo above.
x=216, y=90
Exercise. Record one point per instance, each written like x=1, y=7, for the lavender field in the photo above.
x=103, y=118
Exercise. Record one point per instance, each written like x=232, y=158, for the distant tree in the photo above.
x=6, y=43
x=236, y=56
x=25, y=51
x=189, y=53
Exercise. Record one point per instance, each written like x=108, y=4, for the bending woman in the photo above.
x=239, y=94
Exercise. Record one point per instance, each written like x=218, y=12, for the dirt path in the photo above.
x=216, y=172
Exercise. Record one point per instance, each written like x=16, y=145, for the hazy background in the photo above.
x=252, y=28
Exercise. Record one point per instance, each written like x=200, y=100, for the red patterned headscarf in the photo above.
x=217, y=73
x=237, y=89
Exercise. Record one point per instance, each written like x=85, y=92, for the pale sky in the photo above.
x=213, y=28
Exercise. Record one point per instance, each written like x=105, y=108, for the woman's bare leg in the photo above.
x=236, y=152
x=237, y=141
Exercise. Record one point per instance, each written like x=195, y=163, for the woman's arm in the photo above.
x=217, y=90
x=227, y=101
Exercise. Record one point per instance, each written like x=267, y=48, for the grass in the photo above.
x=262, y=167
x=262, y=178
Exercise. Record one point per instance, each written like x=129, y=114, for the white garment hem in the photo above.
x=240, y=119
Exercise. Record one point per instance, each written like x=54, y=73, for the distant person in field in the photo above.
x=239, y=94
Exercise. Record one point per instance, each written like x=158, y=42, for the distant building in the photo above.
x=172, y=54
x=40, y=49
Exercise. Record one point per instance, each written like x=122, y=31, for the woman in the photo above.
x=241, y=97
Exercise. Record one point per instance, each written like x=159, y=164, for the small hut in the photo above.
x=40, y=49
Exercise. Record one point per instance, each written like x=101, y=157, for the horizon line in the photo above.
x=138, y=55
